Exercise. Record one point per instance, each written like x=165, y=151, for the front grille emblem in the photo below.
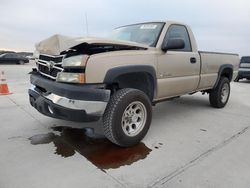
x=50, y=65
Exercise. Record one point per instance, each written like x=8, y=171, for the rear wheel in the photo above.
x=219, y=96
x=237, y=79
x=127, y=117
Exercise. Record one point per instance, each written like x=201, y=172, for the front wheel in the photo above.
x=127, y=117
x=21, y=62
x=219, y=96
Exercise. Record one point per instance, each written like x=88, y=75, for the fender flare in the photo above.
x=115, y=72
x=221, y=69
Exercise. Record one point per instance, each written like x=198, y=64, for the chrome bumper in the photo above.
x=90, y=107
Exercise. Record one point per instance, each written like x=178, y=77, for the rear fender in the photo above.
x=224, y=70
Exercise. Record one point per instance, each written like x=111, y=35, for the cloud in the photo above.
x=218, y=25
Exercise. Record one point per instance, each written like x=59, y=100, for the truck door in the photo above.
x=178, y=70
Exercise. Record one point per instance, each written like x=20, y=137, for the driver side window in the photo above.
x=179, y=32
x=8, y=56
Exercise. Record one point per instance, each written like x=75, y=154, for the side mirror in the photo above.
x=173, y=44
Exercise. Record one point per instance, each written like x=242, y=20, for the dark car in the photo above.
x=13, y=58
x=244, y=70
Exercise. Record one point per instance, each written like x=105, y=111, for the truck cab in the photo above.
x=177, y=65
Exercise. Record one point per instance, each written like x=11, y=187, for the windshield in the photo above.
x=146, y=33
x=245, y=59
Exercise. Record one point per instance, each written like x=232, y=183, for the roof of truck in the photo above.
x=166, y=21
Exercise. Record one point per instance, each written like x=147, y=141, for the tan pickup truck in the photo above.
x=119, y=79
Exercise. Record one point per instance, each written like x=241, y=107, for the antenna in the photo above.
x=86, y=23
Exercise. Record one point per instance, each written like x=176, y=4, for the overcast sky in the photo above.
x=219, y=25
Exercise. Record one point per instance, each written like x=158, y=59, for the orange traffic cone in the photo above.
x=4, y=90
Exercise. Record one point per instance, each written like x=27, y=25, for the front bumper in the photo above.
x=244, y=73
x=80, y=103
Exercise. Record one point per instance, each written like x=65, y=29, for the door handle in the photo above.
x=192, y=60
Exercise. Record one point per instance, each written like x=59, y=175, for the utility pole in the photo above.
x=86, y=23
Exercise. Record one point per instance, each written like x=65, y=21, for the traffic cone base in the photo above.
x=4, y=90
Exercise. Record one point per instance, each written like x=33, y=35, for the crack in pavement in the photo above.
x=116, y=180
x=197, y=159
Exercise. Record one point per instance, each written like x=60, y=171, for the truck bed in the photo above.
x=210, y=64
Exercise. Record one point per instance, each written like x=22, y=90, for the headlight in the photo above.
x=71, y=77
x=75, y=61
x=36, y=54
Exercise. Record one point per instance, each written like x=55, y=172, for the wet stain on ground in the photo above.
x=101, y=152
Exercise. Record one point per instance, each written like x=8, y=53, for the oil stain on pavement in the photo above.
x=101, y=152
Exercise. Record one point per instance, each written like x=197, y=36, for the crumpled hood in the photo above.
x=56, y=44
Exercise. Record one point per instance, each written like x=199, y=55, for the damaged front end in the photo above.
x=59, y=55
x=80, y=103
x=58, y=85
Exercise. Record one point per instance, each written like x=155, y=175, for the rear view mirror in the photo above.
x=173, y=44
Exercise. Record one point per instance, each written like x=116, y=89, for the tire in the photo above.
x=21, y=62
x=219, y=96
x=127, y=117
x=237, y=79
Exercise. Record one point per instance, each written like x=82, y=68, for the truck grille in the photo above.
x=49, y=66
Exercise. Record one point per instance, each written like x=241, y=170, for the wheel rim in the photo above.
x=134, y=118
x=224, y=92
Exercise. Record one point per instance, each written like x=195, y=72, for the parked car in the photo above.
x=30, y=57
x=244, y=70
x=119, y=79
x=13, y=58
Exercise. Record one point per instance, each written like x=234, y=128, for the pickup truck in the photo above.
x=244, y=70
x=118, y=80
